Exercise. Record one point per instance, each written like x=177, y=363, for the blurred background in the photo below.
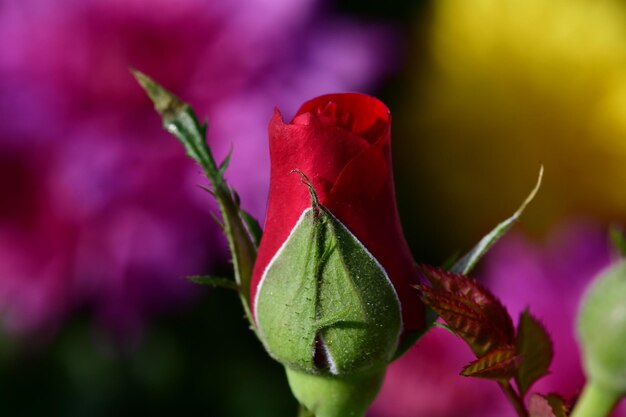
x=102, y=215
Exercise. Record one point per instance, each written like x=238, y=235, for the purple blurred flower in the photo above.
x=550, y=279
x=100, y=207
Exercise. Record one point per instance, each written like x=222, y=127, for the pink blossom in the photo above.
x=100, y=206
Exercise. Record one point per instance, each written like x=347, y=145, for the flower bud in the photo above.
x=332, y=289
x=601, y=329
x=325, y=305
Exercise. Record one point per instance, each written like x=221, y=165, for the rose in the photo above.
x=341, y=142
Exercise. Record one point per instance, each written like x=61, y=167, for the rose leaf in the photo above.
x=469, y=261
x=497, y=364
x=534, y=344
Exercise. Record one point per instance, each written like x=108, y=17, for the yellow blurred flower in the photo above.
x=507, y=85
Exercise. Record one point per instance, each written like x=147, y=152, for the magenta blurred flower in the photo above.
x=550, y=279
x=100, y=207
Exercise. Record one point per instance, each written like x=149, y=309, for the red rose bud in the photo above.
x=331, y=288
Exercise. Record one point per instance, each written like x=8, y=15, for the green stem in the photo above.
x=180, y=120
x=304, y=412
x=240, y=244
x=595, y=401
x=514, y=398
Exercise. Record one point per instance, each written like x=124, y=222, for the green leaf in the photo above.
x=534, y=344
x=618, y=240
x=497, y=364
x=211, y=281
x=467, y=263
x=324, y=304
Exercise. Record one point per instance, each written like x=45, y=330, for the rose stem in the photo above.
x=514, y=398
x=595, y=401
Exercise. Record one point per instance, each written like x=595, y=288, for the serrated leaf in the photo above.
x=212, y=281
x=497, y=364
x=534, y=344
x=618, y=240
x=496, y=324
x=467, y=263
x=552, y=405
x=466, y=319
x=324, y=303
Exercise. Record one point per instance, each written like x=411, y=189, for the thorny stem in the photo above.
x=180, y=120
x=514, y=398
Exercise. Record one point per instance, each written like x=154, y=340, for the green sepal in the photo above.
x=325, y=305
x=335, y=396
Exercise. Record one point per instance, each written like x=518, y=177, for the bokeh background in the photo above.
x=101, y=214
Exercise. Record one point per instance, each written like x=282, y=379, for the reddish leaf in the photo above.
x=499, y=364
x=551, y=405
x=472, y=290
x=469, y=309
x=464, y=318
x=534, y=344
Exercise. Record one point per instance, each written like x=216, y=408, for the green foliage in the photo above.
x=467, y=263
x=500, y=363
x=325, y=305
x=534, y=344
x=470, y=310
x=473, y=313
x=180, y=120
